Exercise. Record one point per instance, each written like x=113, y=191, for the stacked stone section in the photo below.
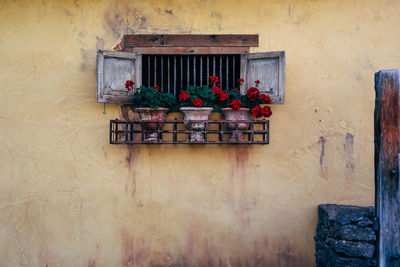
x=346, y=236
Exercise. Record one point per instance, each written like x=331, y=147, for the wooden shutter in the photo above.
x=113, y=70
x=267, y=67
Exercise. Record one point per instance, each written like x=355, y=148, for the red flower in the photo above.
x=257, y=82
x=257, y=111
x=266, y=111
x=236, y=104
x=265, y=98
x=216, y=90
x=214, y=79
x=183, y=96
x=223, y=96
x=157, y=87
x=252, y=93
x=198, y=102
x=240, y=80
x=129, y=85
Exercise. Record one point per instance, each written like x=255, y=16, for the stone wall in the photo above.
x=346, y=236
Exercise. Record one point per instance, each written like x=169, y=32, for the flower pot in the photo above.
x=236, y=115
x=196, y=114
x=152, y=114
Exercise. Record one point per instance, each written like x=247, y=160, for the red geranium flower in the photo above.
x=236, y=104
x=156, y=87
x=214, y=79
x=198, y=102
x=252, y=93
x=265, y=98
x=223, y=96
x=257, y=111
x=129, y=85
x=257, y=82
x=216, y=89
x=183, y=96
x=266, y=111
x=240, y=80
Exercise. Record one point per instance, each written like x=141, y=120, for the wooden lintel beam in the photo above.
x=191, y=50
x=191, y=40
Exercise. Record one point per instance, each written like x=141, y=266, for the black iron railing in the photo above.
x=134, y=132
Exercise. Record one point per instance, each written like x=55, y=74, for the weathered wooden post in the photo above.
x=387, y=149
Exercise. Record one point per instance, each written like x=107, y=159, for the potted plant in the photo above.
x=152, y=105
x=237, y=107
x=196, y=104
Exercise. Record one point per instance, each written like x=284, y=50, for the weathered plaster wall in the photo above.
x=68, y=198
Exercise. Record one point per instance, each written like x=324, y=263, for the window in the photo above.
x=175, y=72
x=176, y=61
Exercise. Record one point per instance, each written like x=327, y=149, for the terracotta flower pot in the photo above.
x=237, y=115
x=196, y=114
x=152, y=114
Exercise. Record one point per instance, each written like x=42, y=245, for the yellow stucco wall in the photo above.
x=68, y=198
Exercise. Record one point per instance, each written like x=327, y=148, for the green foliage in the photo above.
x=202, y=92
x=152, y=98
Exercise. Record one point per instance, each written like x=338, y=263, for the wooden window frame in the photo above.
x=190, y=44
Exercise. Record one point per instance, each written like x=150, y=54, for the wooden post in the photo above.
x=387, y=148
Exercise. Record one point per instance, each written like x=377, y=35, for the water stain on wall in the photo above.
x=85, y=55
x=199, y=250
x=348, y=152
x=131, y=158
x=296, y=14
x=99, y=43
x=241, y=157
x=135, y=252
x=322, y=163
x=127, y=248
x=163, y=11
x=67, y=12
x=218, y=19
x=123, y=19
x=92, y=263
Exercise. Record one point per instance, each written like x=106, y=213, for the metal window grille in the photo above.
x=172, y=73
